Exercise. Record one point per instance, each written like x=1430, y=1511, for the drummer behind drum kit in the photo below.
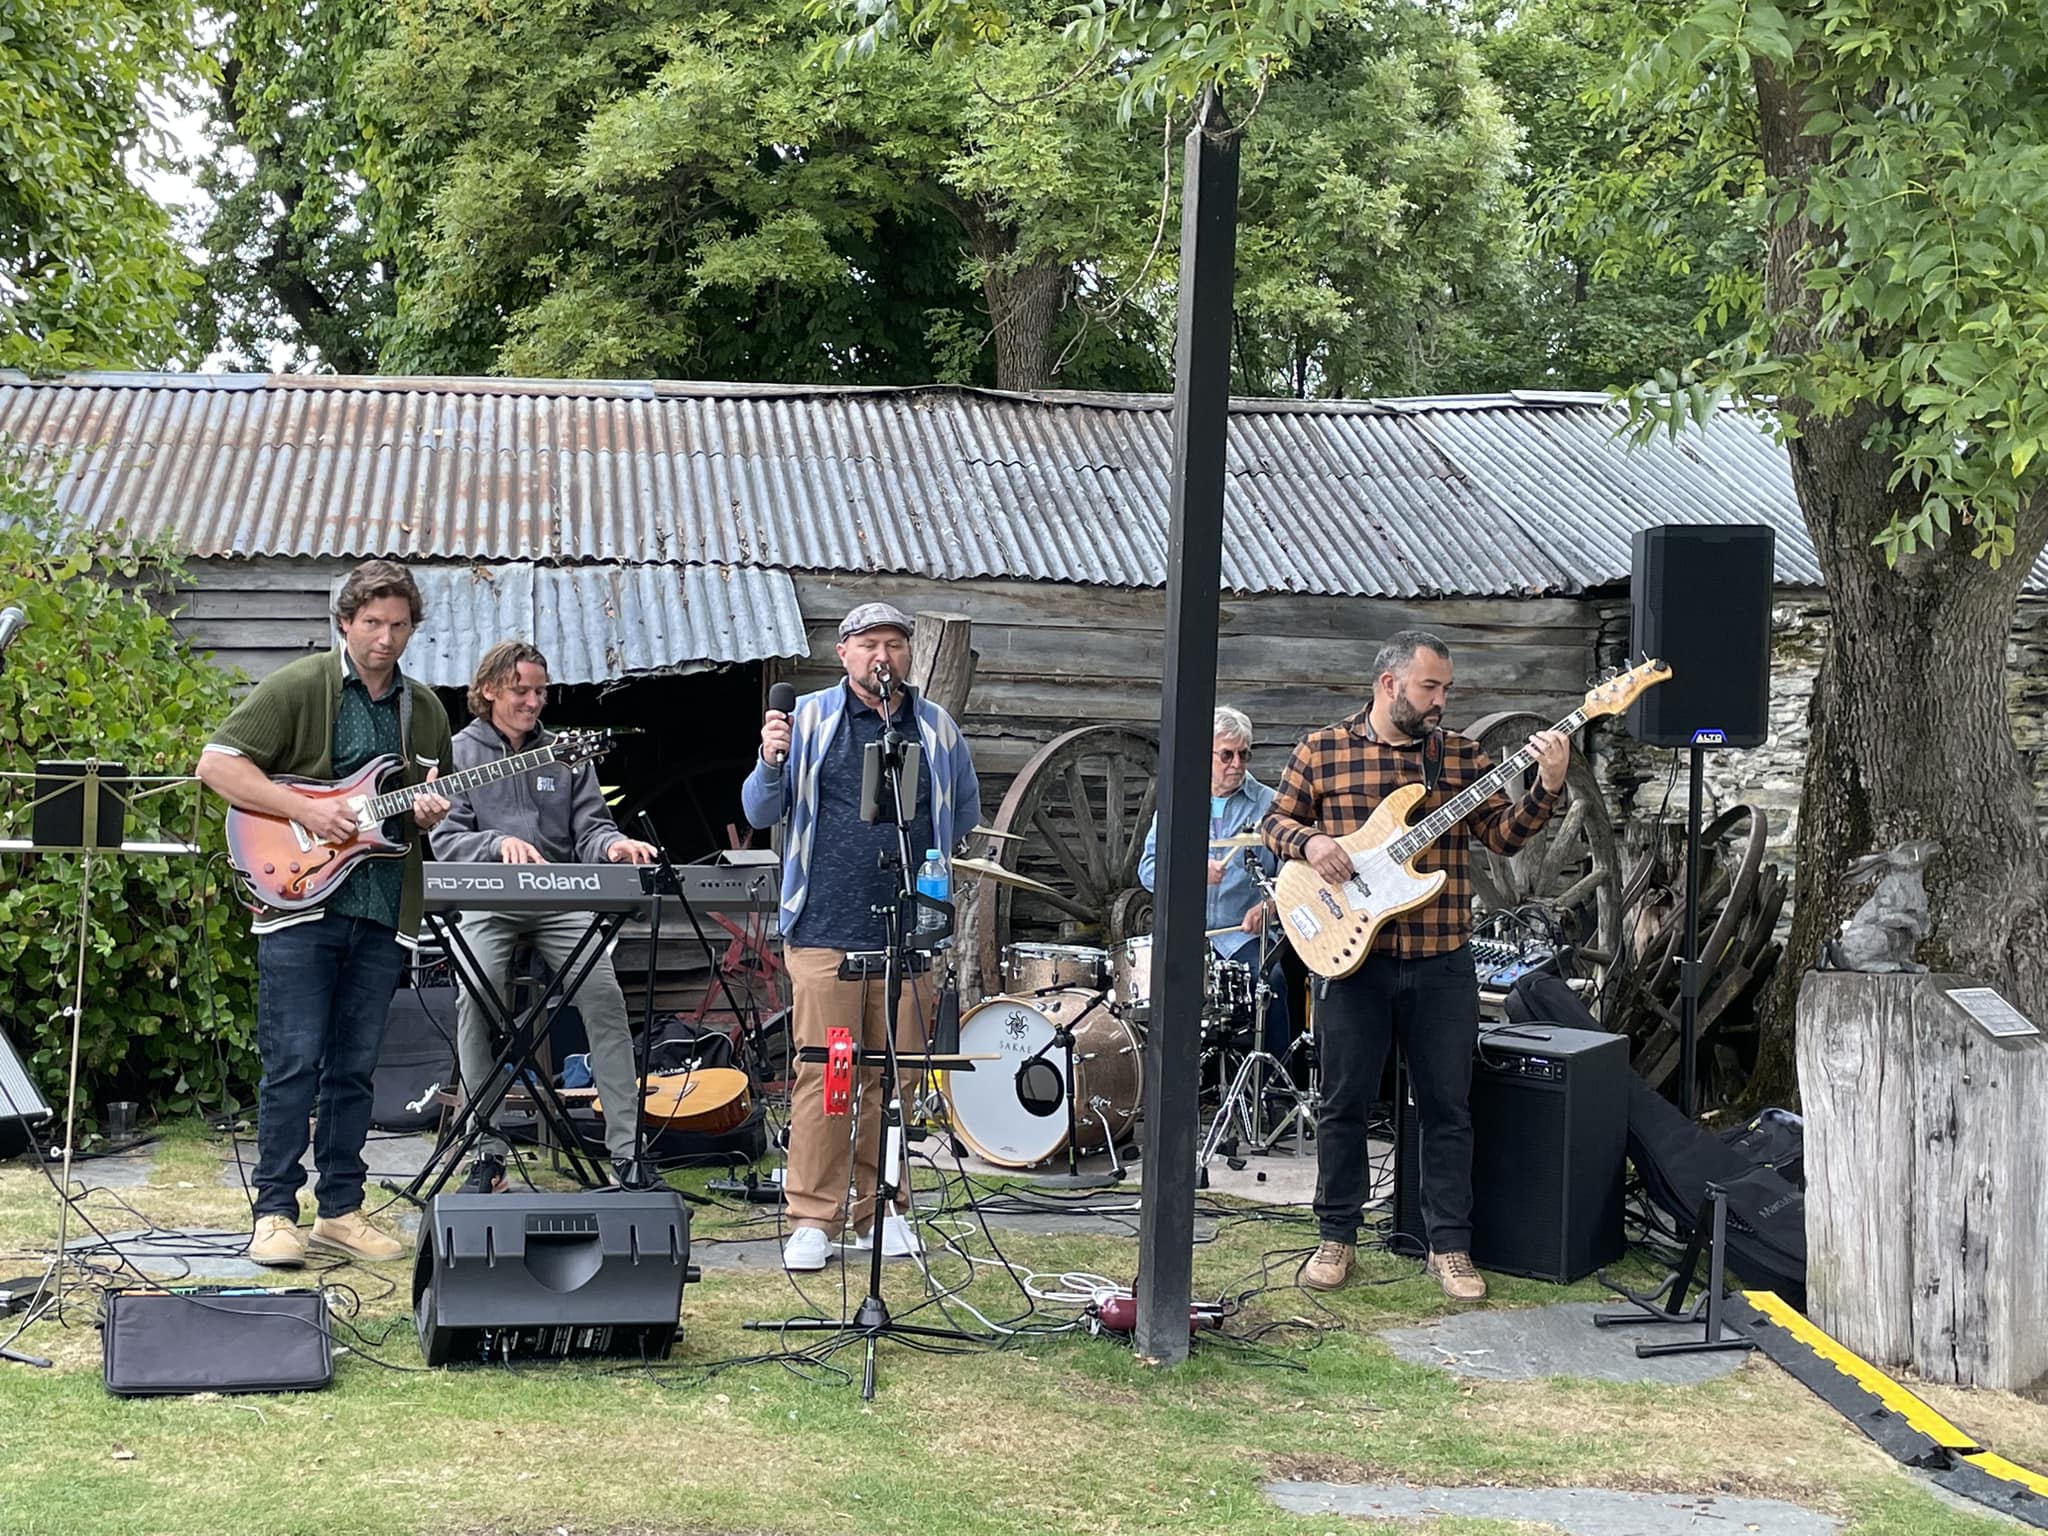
x=1070, y=1023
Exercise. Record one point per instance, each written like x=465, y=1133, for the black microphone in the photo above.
x=12, y=622
x=782, y=699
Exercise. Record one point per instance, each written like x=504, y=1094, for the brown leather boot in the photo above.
x=1329, y=1267
x=1454, y=1272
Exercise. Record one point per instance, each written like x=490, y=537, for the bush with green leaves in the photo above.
x=99, y=672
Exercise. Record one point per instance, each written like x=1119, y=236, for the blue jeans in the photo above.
x=324, y=993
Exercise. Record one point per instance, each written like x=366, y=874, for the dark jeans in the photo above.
x=1431, y=1006
x=324, y=993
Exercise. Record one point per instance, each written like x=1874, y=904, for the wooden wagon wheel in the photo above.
x=1572, y=863
x=1082, y=806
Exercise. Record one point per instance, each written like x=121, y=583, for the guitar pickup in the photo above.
x=305, y=838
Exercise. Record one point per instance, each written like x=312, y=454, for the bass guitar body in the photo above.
x=285, y=867
x=1332, y=927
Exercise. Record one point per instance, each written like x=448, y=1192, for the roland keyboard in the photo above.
x=597, y=887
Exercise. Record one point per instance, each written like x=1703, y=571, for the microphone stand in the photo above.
x=1073, y=1178
x=871, y=1320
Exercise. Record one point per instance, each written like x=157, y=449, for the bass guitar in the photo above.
x=1332, y=927
x=287, y=869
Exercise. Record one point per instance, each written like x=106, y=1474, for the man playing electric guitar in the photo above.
x=1417, y=984
x=325, y=975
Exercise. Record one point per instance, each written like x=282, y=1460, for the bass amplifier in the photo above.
x=1549, y=1138
x=505, y=1279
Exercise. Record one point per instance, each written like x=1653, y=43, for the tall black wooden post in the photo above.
x=1194, y=571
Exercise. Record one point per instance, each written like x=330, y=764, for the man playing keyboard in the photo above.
x=548, y=815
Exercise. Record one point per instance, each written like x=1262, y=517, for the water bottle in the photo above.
x=934, y=879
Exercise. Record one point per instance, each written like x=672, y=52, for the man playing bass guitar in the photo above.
x=1417, y=984
x=325, y=975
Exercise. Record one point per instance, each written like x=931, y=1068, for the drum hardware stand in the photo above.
x=1244, y=1101
x=1040, y=1102
x=871, y=1322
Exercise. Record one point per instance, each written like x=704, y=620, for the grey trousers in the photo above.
x=492, y=937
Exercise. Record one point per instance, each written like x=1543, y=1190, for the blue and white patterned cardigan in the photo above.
x=789, y=793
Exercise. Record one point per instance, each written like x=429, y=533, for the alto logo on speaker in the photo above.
x=1710, y=738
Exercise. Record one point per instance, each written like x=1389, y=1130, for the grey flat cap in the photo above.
x=873, y=616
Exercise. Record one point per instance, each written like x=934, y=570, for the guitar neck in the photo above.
x=400, y=800
x=1471, y=797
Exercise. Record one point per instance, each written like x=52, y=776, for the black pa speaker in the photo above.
x=1700, y=599
x=1549, y=1132
x=531, y=1277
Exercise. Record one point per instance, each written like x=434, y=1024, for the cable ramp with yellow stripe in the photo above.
x=1901, y=1424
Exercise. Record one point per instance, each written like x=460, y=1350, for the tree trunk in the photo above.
x=1910, y=735
x=1025, y=298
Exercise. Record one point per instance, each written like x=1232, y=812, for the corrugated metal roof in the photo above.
x=599, y=622
x=1399, y=498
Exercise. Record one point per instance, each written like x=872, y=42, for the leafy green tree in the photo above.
x=89, y=273
x=1638, y=240
x=291, y=270
x=99, y=673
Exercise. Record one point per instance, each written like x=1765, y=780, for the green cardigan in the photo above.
x=285, y=725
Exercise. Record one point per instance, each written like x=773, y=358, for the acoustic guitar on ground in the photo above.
x=1332, y=927
x=287, y=869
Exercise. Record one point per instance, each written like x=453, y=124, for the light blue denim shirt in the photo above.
x=1243, y=809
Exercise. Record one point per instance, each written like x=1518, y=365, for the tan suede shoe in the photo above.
x=279, y=1242
x=354, y=1236
x=1454, y=1272
x=1329, y=1266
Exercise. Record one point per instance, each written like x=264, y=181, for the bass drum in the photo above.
x=988, y=1113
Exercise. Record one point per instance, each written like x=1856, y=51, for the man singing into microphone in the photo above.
x=836, y=870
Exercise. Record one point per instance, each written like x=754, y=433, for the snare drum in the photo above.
x=988, y=1113
x=1227, y=985
x=1039, y=967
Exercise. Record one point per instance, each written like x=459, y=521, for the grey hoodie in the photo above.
x=560, y=810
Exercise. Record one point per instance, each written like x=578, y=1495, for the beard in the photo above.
x=1410, y=721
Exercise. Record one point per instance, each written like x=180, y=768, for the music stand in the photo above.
x=82, y=808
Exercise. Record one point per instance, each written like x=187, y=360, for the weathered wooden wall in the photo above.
x=257, y=615
x=1051, y=657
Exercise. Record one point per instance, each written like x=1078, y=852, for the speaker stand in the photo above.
x=1689, y=958
x=1720, y=1335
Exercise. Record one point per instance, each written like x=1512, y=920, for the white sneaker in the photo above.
x=807, y=1248
x=899, y=1238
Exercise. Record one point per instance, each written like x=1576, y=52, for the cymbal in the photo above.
x=994, y=871
x=1004, y=837
x=1238, y=840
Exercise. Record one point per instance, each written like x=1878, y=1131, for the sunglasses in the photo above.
x=1235, y=754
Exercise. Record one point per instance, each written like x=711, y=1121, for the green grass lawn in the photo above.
x=1054, y=1434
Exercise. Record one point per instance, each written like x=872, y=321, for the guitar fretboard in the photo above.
x=1471, y=797
x=383, y=807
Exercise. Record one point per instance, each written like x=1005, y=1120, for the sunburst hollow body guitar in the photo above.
x=1332, y=927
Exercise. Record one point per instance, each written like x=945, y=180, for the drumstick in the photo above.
x=1219, y=932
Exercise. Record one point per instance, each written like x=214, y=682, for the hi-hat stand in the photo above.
x=99, y=788
x=1260, y=1073
x=871, y=1321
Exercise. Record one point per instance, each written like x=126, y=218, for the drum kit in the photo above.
x=1067, y=1034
